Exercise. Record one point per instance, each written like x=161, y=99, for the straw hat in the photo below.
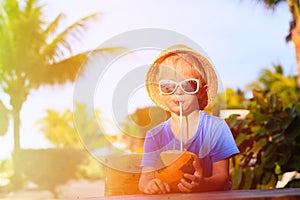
x=206, y=70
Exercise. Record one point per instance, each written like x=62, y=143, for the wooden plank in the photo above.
x=271, y=194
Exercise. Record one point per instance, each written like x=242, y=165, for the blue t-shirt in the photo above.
x=212, y=142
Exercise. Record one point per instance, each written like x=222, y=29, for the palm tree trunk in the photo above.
x=17, y=181
x=296, y=41
x=297, y=49
x=16, y=102
x=16, y=119
x=295, y=33
x=18, y=94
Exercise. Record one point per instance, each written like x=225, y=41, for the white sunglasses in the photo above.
x=188, y=86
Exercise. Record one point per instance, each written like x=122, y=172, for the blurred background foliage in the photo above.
x=49, y=168
x=44, y=54
x=268, y=136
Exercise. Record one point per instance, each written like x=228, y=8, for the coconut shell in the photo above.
x=175, y=164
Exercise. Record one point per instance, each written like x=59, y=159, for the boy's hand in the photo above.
x=156, y=186
x=191, y=182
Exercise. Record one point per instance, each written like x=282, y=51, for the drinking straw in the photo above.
x=180, y=127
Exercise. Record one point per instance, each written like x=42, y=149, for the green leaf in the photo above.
x=277, y=169
x=246, y=144
x=259, y=117
x=259, y=172
x=273, y=125
x=283, y=158
x=266, y=178
x=4, y=119
x=268, y=157
x=261, y=142
x=295, y=163
x=293, y=184
x=248, y=179
x=293, y=130
x=236, y=176
x=241, y=138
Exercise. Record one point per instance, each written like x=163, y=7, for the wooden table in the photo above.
x=271, y=194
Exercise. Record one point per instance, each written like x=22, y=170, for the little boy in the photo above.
x=183, y=82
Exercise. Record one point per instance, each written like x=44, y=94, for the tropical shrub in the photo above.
x=6, y=171
x=49, y=168
x=269, y=142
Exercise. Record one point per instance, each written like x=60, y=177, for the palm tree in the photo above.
x=34, y=53
x=294, y=34
x=58, y=128
x=275, y=82
x=62, y=132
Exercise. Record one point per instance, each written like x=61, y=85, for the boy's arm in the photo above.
x=218, y=181
x=149, y=184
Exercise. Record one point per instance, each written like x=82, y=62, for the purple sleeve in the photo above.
x=225, y=145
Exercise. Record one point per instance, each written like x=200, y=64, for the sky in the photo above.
x=240, y=37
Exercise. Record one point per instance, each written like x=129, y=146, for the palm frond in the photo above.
x=271, y=4
x=59, y=47
x=4, y=19
x=68, y=69
x=3, y=14
x=53, y=26
x=29, y=5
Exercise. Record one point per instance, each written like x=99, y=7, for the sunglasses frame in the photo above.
x=180, y=85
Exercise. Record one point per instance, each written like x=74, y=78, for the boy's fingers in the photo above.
x=186, y=184
x=182, y=188
x=198, y=169
x=161, y=186
x=197, y=166
x=190, y=177
x=154, y=188
x=168, y=188
x=150, y=190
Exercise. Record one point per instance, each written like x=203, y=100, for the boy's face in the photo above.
x=178, y=71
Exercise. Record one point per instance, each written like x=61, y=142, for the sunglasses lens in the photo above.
x=167, y=86
x=190, y=86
